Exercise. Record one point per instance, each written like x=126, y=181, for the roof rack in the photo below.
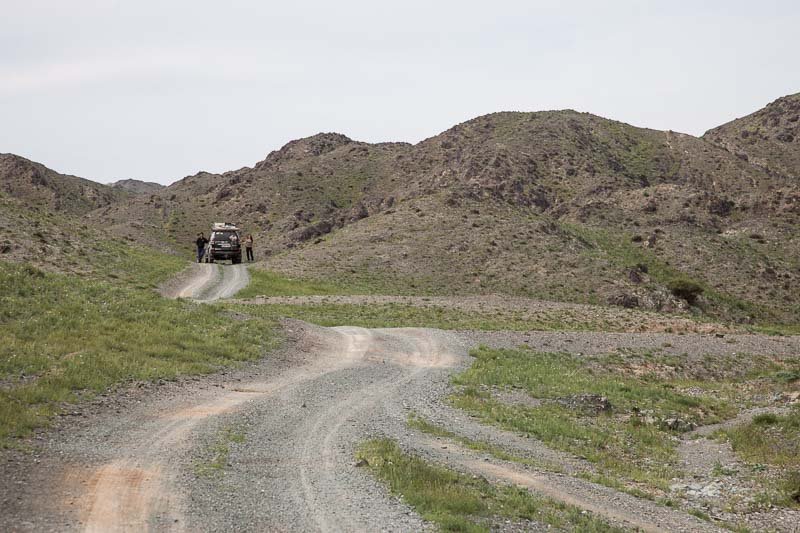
x=224, y=226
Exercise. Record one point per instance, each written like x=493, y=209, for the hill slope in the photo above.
x=770, y=137
x=559, y=205
x=137, y=186
x=39, y=187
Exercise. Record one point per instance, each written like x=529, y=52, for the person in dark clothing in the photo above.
x=248, y=246
x=201, y=246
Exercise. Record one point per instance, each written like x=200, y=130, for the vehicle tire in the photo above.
x=236, y=259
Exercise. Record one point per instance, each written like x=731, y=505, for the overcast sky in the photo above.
x=158, y=90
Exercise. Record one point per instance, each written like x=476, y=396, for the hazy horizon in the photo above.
x=108, y=91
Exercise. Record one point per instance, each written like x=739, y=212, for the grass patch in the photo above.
x=616, y=484
x=403, y=315
x=775, y=329
x=456, y=502
x=270, y=283
x=218, y=452
x=617, y=248
x=132, y=265
x=416, y=422
x=266, y=283
x=622, y=442
x=700, y=514
x=63, y=338
x=769, y=439
x=773, y=440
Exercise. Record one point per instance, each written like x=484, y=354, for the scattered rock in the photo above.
x=678, y=424
x=628, y=301
x=586, y=402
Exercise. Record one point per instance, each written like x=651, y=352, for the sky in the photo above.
x=158, y=90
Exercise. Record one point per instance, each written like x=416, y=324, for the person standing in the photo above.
x=248, y=247
x=201, y=246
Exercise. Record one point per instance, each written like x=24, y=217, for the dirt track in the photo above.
x=302, y=413
x=207, y=282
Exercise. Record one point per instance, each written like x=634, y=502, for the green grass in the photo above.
x=403, y=315
x=218, y=452
x=773, y=440
x=769, y=438
x=420, y=424
x=416, y=422
x=350, y=282
x=64, y=338
x=620, y=443
x=700, y=514
x=457, y=502
x=775, y=329
x=267, y=283
x=616, y=484
x=558, y=375
x=132, y=265
x=617, y=248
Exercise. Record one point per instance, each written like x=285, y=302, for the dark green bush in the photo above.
x=686, y=289
x=765, y=419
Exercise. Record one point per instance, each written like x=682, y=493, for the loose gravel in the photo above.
x=138, y=457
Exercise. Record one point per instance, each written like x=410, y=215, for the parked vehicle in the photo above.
x=225, y=243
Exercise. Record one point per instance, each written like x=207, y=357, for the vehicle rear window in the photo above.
x=224, y=236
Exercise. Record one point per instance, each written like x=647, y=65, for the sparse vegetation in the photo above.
x=686, y=289
x=444, y=316
x=772, y=439
x=618, y=249
x=400, y=315
x=631, y=438
x=266, y=283
x=420, y=424
x=456, y=502
x=543, y=205
x=216, y=455
x=64, y=338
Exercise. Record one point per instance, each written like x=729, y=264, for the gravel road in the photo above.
x=207, y=282
x=142, y=458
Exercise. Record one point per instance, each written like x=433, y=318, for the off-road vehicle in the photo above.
x=225, y=243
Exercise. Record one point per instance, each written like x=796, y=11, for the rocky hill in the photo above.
x=137, y=186
x=770, y=137
x=557, y=205
x=41, y=188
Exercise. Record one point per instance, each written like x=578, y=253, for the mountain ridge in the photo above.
x=39, y=186
x=137, y=186
x=769, y=137
x=558, y=205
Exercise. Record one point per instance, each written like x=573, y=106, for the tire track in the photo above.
x=208, y=282
x=617, y=507
x=124, y=494
x=306, y=416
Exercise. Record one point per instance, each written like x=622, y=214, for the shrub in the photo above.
x=686, y=289
x=765, y=419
